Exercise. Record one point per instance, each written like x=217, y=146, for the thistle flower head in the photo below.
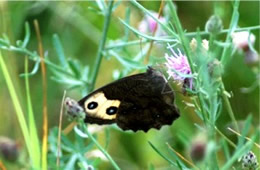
x=178, y=65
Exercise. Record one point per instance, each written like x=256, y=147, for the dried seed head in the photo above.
x=249, y=161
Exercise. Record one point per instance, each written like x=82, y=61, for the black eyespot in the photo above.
x=111, y=110
x=92, y=105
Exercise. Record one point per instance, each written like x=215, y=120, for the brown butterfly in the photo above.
x=138, y=102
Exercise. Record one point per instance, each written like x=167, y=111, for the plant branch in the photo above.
x=101, y=45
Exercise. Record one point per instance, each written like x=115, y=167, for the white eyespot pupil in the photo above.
x=111, y=110
x=92, y=105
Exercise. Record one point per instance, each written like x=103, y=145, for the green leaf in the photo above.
x=127, y=62
x=27, y=35
x=59, y=50
x=34, y=71
x=147, y=36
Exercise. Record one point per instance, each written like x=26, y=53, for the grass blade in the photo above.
x=35, y=144
x=162, y=155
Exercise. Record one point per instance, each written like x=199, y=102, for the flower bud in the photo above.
x=214, y=25
x=198, y=148
x=8, y=149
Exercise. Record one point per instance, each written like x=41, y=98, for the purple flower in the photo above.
x=178, y=66
x=179, y=69
x=148, y=25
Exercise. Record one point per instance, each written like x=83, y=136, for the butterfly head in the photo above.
x=74, y=110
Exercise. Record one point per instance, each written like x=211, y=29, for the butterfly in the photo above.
x=138, y=102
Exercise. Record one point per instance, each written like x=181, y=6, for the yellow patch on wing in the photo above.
x=103, y=105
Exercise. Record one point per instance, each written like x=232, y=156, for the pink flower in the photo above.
x=179, y=69
x=241, y=40
x=148, y=25
x=178, y=66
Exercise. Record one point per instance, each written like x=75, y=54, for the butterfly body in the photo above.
x=138, y=102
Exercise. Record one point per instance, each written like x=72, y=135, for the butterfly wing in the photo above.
x=137, y=102
x=148, y=104
x=102, y=105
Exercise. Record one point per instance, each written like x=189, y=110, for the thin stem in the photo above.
x=225, y=31
x=146, y=60
x=228, y=106
x=186, y=48
x=164, y=26
x=182, y=157
x=17, y=106
x=232, y=27
x=35, y=144
x=123, y=44
x=59, y=133
x=100, y=147
x=45, y=108
x=101, y=45
x=247, y=138
x=226, y=138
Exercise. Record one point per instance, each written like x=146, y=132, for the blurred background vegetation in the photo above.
x=79, y=28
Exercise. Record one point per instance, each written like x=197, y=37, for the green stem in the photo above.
x=101, y=45
x=228, y=106
x=186, y=49
x=129, y=43
x=99, y=146
x=232, y=27
x=17, y=107
x=225, y=31
x=226, y=138
x=164, y=27
x=94, y=77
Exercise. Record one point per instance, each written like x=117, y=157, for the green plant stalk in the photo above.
x=226, y=138
x=228, y=106
x=99, y=146
x=35, y=144
x=233, y=24
x=187, y=50
x=225, y=30
x=232, y=27
x=95, y=73
x=101, y=45
x=124, y=44
x=147, y=40
x=34, y=57
x=17, y=106
x=213, y=163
